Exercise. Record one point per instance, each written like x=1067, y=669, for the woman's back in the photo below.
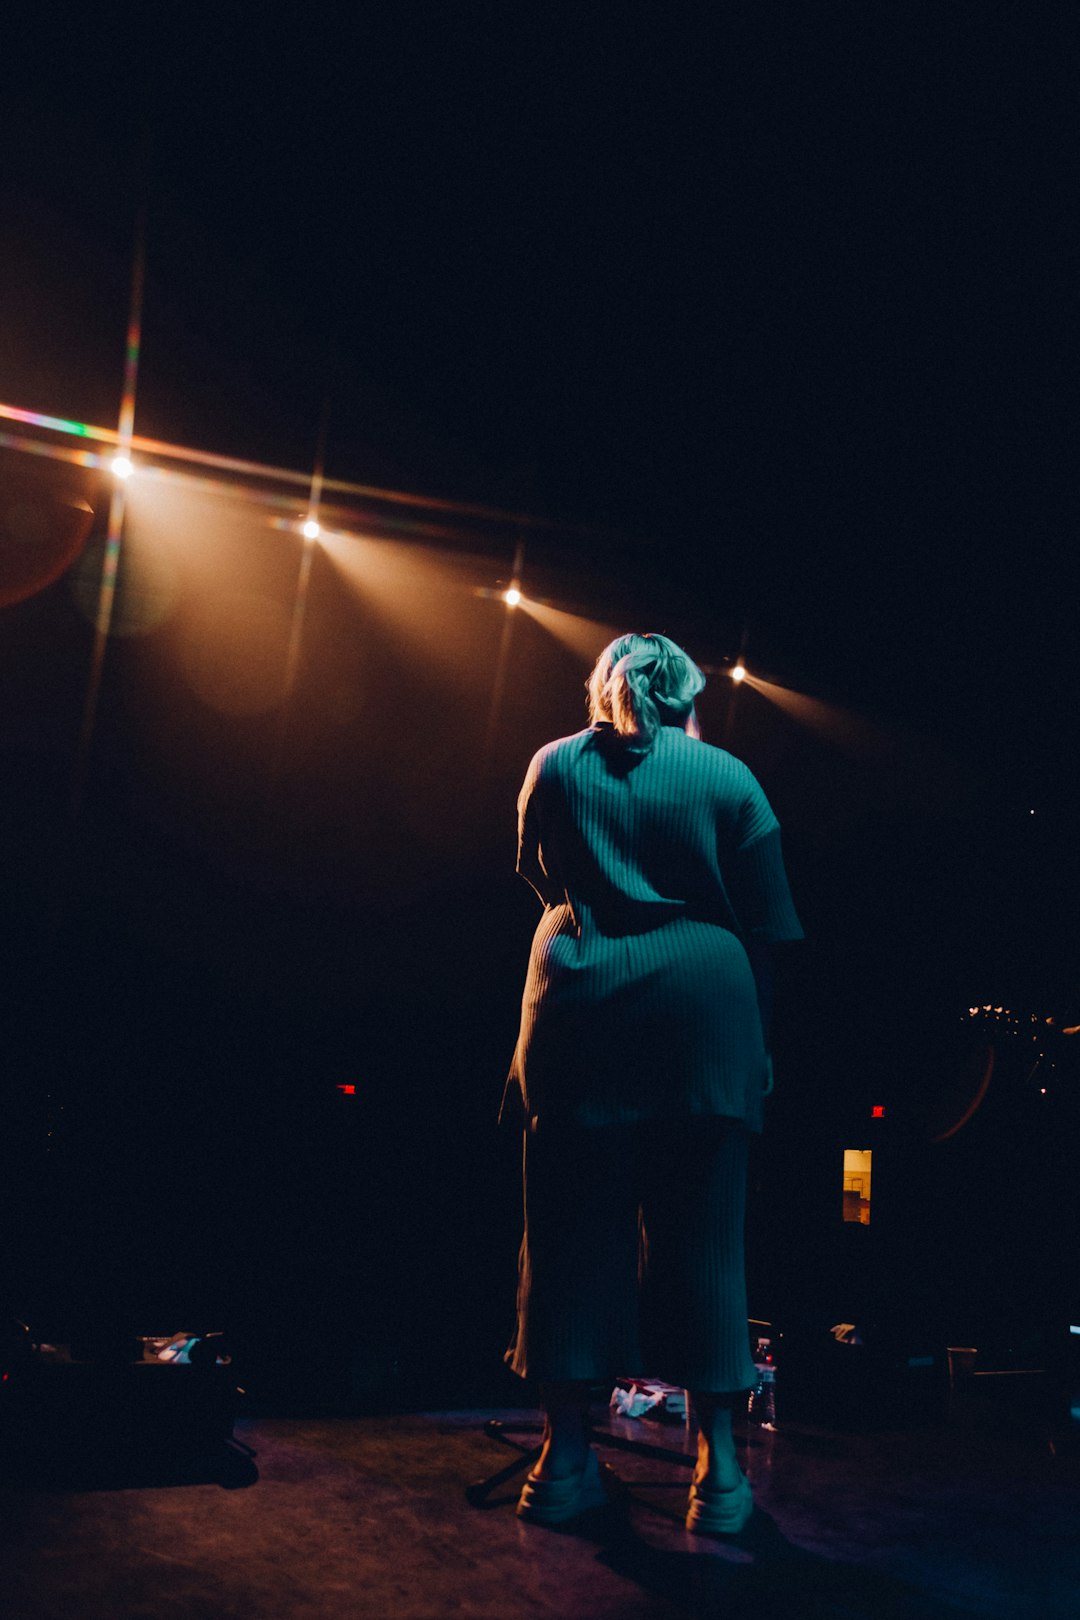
x=633, y=838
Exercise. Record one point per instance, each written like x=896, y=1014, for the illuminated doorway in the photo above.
x=857, y=1185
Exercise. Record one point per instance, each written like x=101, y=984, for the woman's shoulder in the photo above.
x=705, y=757
x=561, y=750
x=726, y=779
x=572, y=744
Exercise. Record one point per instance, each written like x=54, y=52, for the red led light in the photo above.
x=350, y=1091
x=877, y=1112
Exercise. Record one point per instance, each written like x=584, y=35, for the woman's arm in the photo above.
x=530, y=861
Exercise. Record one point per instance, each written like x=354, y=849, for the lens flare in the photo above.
x=53, y=452
x=114, y=534
x=512, y=597
x=41, y=535
x=124, y=437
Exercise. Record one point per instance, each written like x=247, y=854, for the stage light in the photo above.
x=512, y=597
x=311, y=529
x=739, y=672
x=121, y=467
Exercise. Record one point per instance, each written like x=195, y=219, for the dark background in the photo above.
x=758, y=331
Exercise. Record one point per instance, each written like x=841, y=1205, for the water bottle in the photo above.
x=761, y=1408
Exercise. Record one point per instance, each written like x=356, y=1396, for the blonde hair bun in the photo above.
x=641, y=681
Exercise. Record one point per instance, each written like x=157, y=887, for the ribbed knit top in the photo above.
x=631, y=840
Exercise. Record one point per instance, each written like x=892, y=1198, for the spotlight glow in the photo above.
x=311, y=530
x=121, y=467
x=512, y=597
x=739, y=672
x=580, y=636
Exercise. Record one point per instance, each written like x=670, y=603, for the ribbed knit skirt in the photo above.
x=632, y=1261
x=621, y=1028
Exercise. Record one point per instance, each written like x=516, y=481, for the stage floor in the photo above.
x=307, y=1518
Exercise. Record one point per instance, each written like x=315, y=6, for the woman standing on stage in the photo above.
x=641, y=1067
